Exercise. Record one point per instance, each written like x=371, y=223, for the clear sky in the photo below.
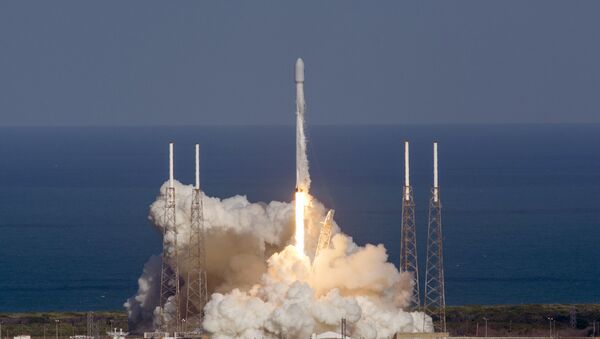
x=231, y=62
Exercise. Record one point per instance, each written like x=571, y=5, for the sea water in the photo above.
x=521, y=203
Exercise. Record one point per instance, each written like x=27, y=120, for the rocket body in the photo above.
x=302, y=176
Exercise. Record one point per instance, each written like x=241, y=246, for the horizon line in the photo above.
x=292, y=125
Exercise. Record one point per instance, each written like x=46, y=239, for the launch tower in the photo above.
x=408, y=245
x=169, y=275
x=197, y=294
x=435, y=298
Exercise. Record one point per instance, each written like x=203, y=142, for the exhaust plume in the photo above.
x=262, y=287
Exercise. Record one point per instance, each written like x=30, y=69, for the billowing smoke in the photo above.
x=262, y=288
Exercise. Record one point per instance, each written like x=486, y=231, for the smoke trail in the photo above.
x=261, y=287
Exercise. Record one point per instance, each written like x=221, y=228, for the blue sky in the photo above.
x=232, y=62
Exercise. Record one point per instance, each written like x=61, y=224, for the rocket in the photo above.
x=299, y=71
x=300, y=151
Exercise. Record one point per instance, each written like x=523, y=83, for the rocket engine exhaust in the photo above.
x=299, y=236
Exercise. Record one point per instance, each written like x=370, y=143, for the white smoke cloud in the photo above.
x=141, y=306
x=262, y=288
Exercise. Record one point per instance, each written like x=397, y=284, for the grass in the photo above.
x=503, y=320
x=525, y=320
x=69, y=323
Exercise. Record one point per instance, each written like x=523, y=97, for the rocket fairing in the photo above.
x=299, y=70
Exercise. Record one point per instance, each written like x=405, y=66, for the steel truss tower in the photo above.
x=408, y=245
x=197, y=294
x=92, y=326
x=435, y=298
x=325, y=233
x=169, y=275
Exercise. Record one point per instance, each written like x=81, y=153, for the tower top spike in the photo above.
x=435, y=165
x=435, y=173
x=408, y=244
x=170, y=165
x=197, y=167
x=406, y=165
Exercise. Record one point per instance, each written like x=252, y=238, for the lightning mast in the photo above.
x=197, y=294
x=169, y=277
x=408, y=245
x=91, y=326
x=435, y=298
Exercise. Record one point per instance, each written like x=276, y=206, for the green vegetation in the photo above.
x=503, y=320
x=522, y=320
x=69, y=323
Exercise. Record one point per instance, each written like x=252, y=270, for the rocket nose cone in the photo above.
x=299, y=70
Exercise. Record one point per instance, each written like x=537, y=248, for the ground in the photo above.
x=503, y=320
x=69, y=323
x=522, y=320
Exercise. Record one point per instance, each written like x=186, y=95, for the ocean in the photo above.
x=521, y=203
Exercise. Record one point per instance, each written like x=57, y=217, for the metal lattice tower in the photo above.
x=435, y=298
x=169, y=276
x=91, y=328
x=344, y=328
x=197, y=293
x=408, y=245
x=325, y=233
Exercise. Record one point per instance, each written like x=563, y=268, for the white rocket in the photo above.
x=302, y=176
